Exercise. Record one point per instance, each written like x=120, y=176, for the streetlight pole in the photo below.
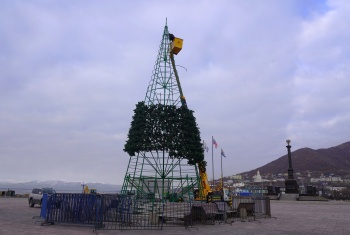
x=83, y=185
x=230, y=182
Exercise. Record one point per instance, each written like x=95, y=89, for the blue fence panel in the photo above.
x=43, y=206
x=74, y=208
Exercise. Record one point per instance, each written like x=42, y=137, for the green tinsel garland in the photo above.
x=165, y=128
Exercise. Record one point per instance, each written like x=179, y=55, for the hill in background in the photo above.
x=334, y=160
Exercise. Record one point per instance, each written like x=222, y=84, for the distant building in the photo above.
x=236, y=177
x=257, y=177
x=346, y=180
x=336, y=188
x=238, y=185
x=326, y=179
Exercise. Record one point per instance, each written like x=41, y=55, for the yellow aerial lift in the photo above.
x=89, y=191
x=204, y=193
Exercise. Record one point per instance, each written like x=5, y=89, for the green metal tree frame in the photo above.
x=164, y=141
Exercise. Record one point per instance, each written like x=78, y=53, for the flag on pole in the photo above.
x=214, y=143
x=205, y=146
x=222, y=153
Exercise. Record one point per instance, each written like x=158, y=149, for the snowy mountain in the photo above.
x=59, y=186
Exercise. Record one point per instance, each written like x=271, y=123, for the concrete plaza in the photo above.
x=290, y=217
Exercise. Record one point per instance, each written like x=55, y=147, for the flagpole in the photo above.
x=212, y=158
x=222, y=183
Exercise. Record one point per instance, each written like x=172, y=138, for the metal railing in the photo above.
x=73, y=208
x=128, y=212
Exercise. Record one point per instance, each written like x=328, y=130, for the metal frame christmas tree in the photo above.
x=164, y=142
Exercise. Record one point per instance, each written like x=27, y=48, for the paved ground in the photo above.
x=292, y=217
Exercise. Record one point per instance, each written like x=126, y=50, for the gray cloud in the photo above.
x=256, y=73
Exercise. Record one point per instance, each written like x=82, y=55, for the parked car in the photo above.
x=36, y=196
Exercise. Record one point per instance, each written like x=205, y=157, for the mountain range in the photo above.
x=59, y=186
x=334, y=160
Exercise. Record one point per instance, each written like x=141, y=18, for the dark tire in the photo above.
x=31, y=203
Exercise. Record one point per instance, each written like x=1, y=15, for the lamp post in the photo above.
x=83, y=185
x=230, y=183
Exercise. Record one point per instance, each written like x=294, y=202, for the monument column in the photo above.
x=290, y=183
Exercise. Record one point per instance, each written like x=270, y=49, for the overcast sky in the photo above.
x=257, y=73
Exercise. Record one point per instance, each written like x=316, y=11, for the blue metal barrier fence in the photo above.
x=127, y=212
